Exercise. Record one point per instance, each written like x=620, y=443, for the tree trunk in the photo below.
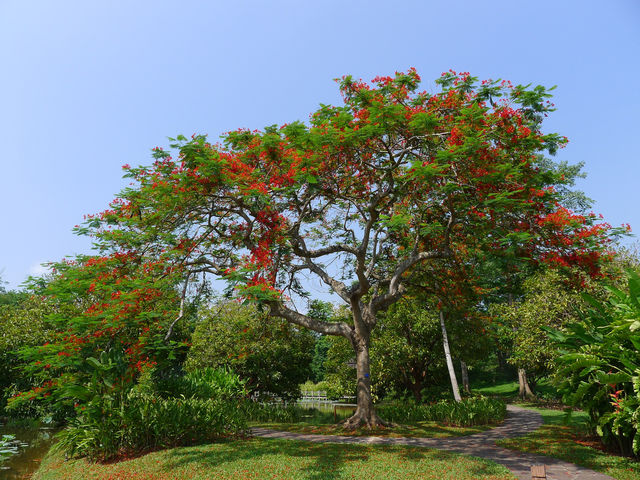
x=365, y=414
x=465, y=376
x=416, y=388
x=447, y=354
x=524, y=390
x=417, y=394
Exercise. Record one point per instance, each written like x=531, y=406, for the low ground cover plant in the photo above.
x=267, y=412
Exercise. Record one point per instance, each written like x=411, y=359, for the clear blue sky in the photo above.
x=89, y=86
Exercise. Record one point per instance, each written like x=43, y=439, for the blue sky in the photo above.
x=89, y=86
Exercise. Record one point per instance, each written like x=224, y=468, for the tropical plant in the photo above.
x=599, y=365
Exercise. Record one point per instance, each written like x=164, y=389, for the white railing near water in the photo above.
x=314, y=396
x=320, y=397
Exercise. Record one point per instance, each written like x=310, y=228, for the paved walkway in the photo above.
x=519, y=422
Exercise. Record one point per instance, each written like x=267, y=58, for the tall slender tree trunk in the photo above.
x=524, y=390
x=465, y=376
x=447, y=354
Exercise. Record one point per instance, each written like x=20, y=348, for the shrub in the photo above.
x=266, y=412
x=599, y=369
x=468, y=412
x=309, y=386
x=202, y=383
x=206, y=405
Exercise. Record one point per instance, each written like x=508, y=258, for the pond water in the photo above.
x=341, y=411
x=35, y=440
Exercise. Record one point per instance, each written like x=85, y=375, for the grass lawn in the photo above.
x=420, y=429
x=280, y=459
x=509, y=389
x=569, y=441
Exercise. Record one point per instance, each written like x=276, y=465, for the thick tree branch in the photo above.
x=277, y=309
x=396, y=288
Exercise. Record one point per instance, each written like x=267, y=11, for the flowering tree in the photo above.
x=108, y=321
x=360, y=197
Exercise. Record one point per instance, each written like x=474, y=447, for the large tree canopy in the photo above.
x=359, y=197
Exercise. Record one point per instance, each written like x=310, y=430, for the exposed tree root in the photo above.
x=362, y=420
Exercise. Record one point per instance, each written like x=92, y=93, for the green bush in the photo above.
x=309, y=386
x=273, y=356
x=202, y=383
x=599, y=366
x=267, y=412
x=468, y=412
x=205, y=405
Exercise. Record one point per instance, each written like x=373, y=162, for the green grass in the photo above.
x=280, y=459
x=569, y=441
x=504, y=390
x=509, y=389
x=420, y=429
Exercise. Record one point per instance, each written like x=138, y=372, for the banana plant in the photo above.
x=598, y=369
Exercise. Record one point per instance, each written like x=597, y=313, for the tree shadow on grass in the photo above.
x=417, y=430
x=314, y=461
x=569, y=443
x=317, y=461
x=475, y=466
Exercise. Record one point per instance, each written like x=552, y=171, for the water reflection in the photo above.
x=331, y=411
x=36, y=441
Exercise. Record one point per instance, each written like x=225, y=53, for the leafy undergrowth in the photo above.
x=569, y=441
x=420, y=429
x=280, y=459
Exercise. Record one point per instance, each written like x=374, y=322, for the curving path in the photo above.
x=519, y=422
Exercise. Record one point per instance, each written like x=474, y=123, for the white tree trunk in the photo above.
x=447, y=354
